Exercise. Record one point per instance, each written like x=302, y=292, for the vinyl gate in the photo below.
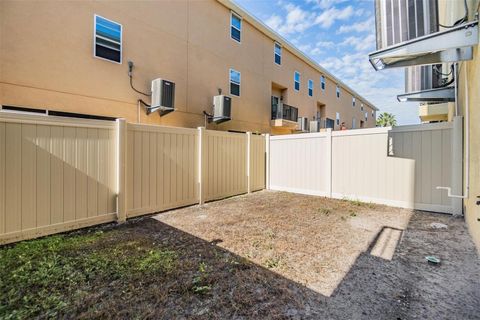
x=400, y=167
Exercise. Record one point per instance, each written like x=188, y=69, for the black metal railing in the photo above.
x=285, y=112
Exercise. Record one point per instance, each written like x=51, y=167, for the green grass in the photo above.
x=272, y=263
x=45, y=276
x=359, y=203
x=199, y=282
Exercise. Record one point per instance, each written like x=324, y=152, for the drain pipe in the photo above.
x=466, y=143
x=138, y=111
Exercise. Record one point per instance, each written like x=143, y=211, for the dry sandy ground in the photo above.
x=269, y=255
x=310, y=240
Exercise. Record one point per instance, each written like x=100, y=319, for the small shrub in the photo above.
x=199, y=285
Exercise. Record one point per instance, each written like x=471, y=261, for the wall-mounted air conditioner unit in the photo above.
x=163, y=96
x=315, y=126
x=302, y=124
x=222, y=108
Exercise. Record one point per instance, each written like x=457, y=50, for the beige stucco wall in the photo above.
x=469, y=95
x=47, y=62
x=471, y=71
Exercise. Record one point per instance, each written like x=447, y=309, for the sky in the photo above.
x=339, y=35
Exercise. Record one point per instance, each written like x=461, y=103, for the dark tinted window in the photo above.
x=108, y=39
x=235, y=79
x=235, y=27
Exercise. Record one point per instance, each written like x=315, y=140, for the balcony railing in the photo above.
x=285, y=112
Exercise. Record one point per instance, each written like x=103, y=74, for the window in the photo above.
x=108, y=40
x=277, y=51
x=310, y=88
x=296, y=79
x=361, y=107
x=322, y=82
x=354, y=123
x=234, y=82
x=373, y=114
x=353, y=102
x=338, y=91
x=366, y=116
x=338, y=119
x=235, y=27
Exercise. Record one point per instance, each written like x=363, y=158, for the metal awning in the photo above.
x=451, y=45
x=446, y=94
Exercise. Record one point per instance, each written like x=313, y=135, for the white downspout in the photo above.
x=466, y=129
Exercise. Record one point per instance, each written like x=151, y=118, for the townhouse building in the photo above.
x=73, y=59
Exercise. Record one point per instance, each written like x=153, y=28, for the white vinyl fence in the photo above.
x=400, y=167
x=59, y=174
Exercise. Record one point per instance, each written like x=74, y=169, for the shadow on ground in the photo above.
x=212, y=283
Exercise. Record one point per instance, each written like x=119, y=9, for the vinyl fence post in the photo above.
x=121, y=170
x=267, y=161
x=329, y=162
x=457, y=164
x=249, y=162
x=201, y=148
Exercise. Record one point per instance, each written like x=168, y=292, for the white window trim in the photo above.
x=337, y=118
x=295, y=81
x=231, y=81
x=233, y=13
x=308, y=87
x=274, y=53
x=354, y=102
x=95, y=37
x=337, y=91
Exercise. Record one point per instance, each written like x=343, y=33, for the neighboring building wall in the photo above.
x=46, y=62
x=470, y=71
x=469, y=95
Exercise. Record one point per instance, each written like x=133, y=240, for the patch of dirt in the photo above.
x=310, y=240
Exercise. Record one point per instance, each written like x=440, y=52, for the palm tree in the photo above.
x=386, y=120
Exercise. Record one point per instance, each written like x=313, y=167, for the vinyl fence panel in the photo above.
x=58, y=174
x=300, y=163
x=431, y=147
x=257, y=162
x=362, y=169
x=225, y=164
x=162, y=170
x=51, y=179
x=400, y=167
